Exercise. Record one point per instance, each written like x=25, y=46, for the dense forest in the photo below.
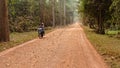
x=103, y=19
x=26, y=15
x=100, y=14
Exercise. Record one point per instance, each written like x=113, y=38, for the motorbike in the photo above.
x=41, y=32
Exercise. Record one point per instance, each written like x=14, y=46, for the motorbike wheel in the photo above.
x=41, y=35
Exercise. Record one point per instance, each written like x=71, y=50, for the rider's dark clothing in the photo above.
x=41, y=30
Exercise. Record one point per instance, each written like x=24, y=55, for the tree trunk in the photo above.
x=60, y=4
x=53, y=12
x=4, y=26
x=42, y=11
x=64, y=12
x=101, y=29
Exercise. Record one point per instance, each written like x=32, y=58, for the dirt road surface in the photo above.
x=63, y=48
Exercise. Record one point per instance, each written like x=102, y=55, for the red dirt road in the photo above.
x=63, y=48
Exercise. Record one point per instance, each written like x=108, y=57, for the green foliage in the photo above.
x=112, y=32
x=21, y=15
x=106, y=13
x=97, y=10
x=26, y=14
x=115, y=9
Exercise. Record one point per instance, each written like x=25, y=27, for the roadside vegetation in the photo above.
x=100, y=15
x=107, y=45
x=26, y=15
x=19, y=38
x=103, y=19
x=20, y=18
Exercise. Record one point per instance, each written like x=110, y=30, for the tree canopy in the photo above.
x=26, y=15
x=100, y=14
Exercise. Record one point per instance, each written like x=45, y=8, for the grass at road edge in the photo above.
x=108, y=47
x=19, y=38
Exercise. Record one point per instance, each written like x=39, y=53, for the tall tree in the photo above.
x=53, y=12
x=4, y=27
x=98, y=10
x=115, y=10
x=64, y=3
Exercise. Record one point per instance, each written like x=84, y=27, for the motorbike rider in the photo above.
x=41, y=30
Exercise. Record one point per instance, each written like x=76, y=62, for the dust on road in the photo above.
x=63, y=48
